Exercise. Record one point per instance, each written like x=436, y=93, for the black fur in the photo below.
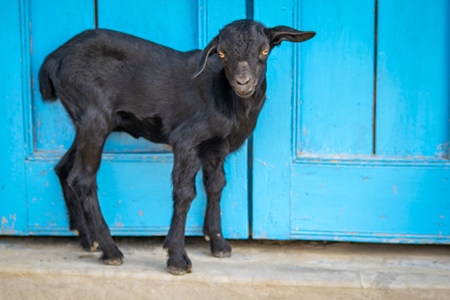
x=202, y=105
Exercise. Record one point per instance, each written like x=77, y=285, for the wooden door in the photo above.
x=360, y=118
x=134, y=184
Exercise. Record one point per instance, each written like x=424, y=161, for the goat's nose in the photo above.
x=243, y=79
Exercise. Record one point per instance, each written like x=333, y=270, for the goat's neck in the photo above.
x=250, y=107
x=230, y=104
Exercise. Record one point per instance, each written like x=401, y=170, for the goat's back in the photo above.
x=114, y=62
x=120, y=71
x=117, y=75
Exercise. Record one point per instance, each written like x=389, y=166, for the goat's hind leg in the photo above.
x=82, y=179
x=77, y=221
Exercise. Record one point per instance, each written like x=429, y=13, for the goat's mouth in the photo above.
x=246, y=94
x=245, y=91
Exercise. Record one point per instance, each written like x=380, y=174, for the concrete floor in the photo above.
x=56, y=268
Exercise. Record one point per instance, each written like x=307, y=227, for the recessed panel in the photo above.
x=413, y=75
x=335, y=72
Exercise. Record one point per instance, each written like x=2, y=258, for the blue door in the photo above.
x=352, y=144
x=360, y=117
x=134, y=179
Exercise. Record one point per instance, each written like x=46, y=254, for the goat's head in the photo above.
x=244, y=47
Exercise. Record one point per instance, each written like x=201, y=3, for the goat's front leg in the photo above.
x=186, y=166
x=214, y=181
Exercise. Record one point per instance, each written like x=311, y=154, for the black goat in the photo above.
x=202, y=103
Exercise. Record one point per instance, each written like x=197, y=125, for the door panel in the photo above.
x=370, y=203
x=414, y=69
x=335, y=79
x=71, y=17
x=134, y=183
x=13, y=208
x=367, y=162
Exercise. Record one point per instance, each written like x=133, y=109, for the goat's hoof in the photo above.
x=220, y=247
x=179, y=263
x=113, y=262
x=179, y=271
x=221, y=254
x=113, y=259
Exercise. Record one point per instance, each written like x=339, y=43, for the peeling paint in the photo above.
x=442, y=150
x=264, y=163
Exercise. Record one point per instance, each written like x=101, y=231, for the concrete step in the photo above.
x=56, y=268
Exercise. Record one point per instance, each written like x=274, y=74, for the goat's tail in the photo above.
x=46, y=84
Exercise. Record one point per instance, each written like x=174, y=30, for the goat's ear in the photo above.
x=283, y=33
x=209, y=49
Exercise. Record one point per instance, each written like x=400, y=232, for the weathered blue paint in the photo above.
x=414, y=69
x=335, y=79
x=323, y=181
x=134, y=179
x=13, y=76
x=322, y=167
x=52, y=129
x=372, y=202
x=271, y=140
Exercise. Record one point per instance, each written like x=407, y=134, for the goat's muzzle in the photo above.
x=244, y=85
x=245, y=92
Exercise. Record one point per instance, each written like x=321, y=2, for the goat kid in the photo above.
x=202, y=103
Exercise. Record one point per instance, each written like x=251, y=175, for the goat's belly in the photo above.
x=149, y=128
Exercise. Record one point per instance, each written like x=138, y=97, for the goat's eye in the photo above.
x=265, y=52
x=221, y=54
